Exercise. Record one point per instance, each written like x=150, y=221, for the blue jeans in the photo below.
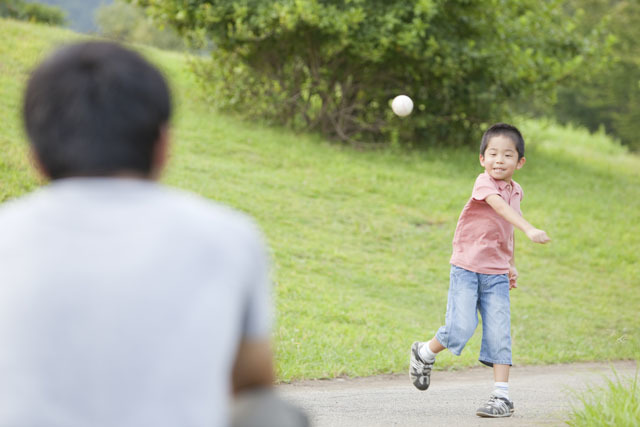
x=469, y=293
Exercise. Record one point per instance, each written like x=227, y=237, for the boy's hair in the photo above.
x=95, y=109
x=507, y=130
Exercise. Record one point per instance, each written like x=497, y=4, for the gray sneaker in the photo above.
x=419, y=370
x=496, y=407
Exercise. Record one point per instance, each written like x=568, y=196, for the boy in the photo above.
x=483, y=269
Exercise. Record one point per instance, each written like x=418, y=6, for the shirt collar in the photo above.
x=502, y=185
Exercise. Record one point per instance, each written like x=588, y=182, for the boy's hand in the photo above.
x=513, y=277
x=537, y=236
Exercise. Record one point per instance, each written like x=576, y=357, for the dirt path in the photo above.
x=543, y=395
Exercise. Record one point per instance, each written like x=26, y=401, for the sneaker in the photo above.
x=496, y=407
x=419, y=370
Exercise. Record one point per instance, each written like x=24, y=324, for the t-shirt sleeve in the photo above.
x=484, y=187
x=258, y=316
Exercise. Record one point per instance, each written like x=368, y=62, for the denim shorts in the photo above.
x=469, y=293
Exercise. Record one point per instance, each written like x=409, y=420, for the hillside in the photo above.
x=361, y=239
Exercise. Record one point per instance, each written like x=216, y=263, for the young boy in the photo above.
x=483, y=269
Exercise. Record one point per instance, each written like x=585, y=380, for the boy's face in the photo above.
x=500, y=159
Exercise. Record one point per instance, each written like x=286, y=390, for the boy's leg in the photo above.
x=461, y=321
x=496, y=342
x=501, y=373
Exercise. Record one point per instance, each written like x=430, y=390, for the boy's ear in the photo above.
x=160, y=152
x=481, y=160
x=521, y=163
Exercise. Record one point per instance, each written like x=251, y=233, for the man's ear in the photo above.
x=521, y=163
x=160, y=152
x=37, y=164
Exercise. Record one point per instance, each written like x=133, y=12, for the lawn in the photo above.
x=361, y=240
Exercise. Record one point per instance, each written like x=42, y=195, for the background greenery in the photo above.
x=122, y=22
x=34, y=12
x=607, y=96
x=587, y=52
x=333, y=66
x=361, y=239
x=80, y=13
x=615, y=404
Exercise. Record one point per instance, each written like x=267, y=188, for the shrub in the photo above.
x=34, y=12
x=124, y=22
x=332, y=66
x=610, y=96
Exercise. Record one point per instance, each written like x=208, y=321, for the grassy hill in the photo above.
x=361, y=239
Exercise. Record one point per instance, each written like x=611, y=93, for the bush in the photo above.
x=34, y=12
x=333, y=66
x=610, y=97
x=125, y=22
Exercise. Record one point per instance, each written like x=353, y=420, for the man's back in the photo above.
x=122, y=301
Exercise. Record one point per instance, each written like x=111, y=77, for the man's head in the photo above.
x=97, y=109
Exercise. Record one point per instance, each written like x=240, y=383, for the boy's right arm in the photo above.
x=507, y=212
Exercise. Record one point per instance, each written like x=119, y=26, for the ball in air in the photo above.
x=402, y=105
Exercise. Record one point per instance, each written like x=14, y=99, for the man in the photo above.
x=122, y=302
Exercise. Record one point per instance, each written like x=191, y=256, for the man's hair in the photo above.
x=503, y=129
x=95, y=109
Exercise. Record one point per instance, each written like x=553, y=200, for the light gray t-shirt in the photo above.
x=122, y=303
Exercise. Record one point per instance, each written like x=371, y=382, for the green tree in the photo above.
x=610, y=96
x=333, y=65
x=34, y=12
x=125, y=22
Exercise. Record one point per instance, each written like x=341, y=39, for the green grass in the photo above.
x=615, y=404
x=361, y=240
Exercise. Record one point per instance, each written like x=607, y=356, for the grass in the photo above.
x=615, y=404
x=361, y=240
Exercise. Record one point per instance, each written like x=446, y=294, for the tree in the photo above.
x=124, y=22
x=34, y=12
x=609, y=96
x=333, y=65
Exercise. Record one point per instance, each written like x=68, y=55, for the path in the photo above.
x=539, y=393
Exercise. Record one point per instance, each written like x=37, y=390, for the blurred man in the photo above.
x=122, y=302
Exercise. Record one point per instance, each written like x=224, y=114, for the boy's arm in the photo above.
x=507, y=212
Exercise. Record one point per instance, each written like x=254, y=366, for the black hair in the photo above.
x=507, y=130
x=95, y=109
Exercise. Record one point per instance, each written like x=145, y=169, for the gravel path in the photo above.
x=543, y=395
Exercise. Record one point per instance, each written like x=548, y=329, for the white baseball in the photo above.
x=402, y=105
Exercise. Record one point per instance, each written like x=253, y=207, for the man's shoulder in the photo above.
x=163, y=205
x=197, y=211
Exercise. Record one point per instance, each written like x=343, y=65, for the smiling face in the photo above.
x=500, y=159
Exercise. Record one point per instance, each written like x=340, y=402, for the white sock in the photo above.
x=426, y=354
x=501, y=390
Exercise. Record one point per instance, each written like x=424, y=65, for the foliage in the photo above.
x=615, y=404
x=34, y=12
x=124, y=22
x=333, y=66
x=610, y=96
x=80, y=13
x=361, y=240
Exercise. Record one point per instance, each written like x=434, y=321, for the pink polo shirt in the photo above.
x=483, y=241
